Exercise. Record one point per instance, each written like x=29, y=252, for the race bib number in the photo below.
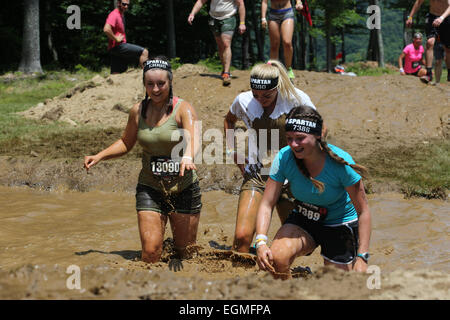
x=415, y=64
x=164, y=166
x=311, y=212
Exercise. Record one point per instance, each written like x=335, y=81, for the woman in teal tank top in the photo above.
x=168, y=187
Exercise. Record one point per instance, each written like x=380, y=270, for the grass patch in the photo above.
x=369, y=68
x=422, y=170
x=19, y=92
x=213, y=63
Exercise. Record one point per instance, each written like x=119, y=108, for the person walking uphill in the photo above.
x=121, y=53
x=331, y=205
x=168, y=186
x=281, y=27
x=437, y=25
x=223, y=23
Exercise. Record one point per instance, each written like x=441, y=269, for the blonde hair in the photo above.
x=275, y=69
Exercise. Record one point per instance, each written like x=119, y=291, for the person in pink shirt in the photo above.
x=121, y=52
x=414, y=60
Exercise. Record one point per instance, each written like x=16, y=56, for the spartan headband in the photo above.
x=305, y=126
x=157, y=64
x=263, y=84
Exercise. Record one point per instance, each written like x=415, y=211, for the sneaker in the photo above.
x=226, y=80
x=291, y=75
x=426, y=78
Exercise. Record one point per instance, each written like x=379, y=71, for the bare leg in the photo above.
x=184, y=230
x=438, y=70
x=287, y=30
x=290, y=242
x=249, y=201
x=429, y=52
x=274, y=35
x=151, y=230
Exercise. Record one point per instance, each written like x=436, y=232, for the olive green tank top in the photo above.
x=156, y=142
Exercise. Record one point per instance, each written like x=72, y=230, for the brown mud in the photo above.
x=51, y=226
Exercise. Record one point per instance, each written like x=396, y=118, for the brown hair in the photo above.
x=308, y=113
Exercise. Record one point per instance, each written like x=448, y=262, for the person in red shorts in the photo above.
x=121, y=52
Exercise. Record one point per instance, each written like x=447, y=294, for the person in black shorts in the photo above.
x=331, y=209
x=121, y=53
x=436, y=25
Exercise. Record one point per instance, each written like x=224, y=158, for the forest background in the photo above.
x=161, y=26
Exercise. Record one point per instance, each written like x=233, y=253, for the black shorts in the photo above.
x=415, y=73
x=123, y=55
x=339, y=244
x=444, y=32
x=188, y=201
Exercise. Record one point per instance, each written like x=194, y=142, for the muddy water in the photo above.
x=95, y=228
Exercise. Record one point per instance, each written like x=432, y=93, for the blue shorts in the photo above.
x=124, y=54
x=280, y=15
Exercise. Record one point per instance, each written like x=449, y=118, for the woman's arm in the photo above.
x=229, y=124
x=197, y=6
x=263, y=14
x=121, y=146
x=270, y=198
x=241, y=8
x=359, y=200
x=187, y=117
x=400, y=62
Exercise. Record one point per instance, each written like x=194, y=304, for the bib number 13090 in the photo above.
x=162, y=166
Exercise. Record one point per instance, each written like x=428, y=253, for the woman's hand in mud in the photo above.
x=265, y=258
x=90, y=161
x=186, y=164
x=360, y=265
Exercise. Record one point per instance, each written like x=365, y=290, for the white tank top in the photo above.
x=222, y=9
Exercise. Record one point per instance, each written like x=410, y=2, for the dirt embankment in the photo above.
x=363, y=114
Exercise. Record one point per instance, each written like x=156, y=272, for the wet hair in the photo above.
x=169, y=75
x=307, y=113
x=275, y=69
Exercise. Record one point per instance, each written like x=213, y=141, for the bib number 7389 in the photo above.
x=311, y=212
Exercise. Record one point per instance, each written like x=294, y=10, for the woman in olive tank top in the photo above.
x=168, y=187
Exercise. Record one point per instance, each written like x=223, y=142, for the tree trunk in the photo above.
x=48, y=29
x=303, y=35
x=171, y=44
x=258, y=34
x=375, y=51
x=31, y=52
x=244, y=48
x=343, y=44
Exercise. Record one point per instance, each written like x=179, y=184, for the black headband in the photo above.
x=157, y=64
x=263, y=84
x=306, y=126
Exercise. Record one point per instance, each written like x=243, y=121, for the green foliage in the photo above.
x=365, y=69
